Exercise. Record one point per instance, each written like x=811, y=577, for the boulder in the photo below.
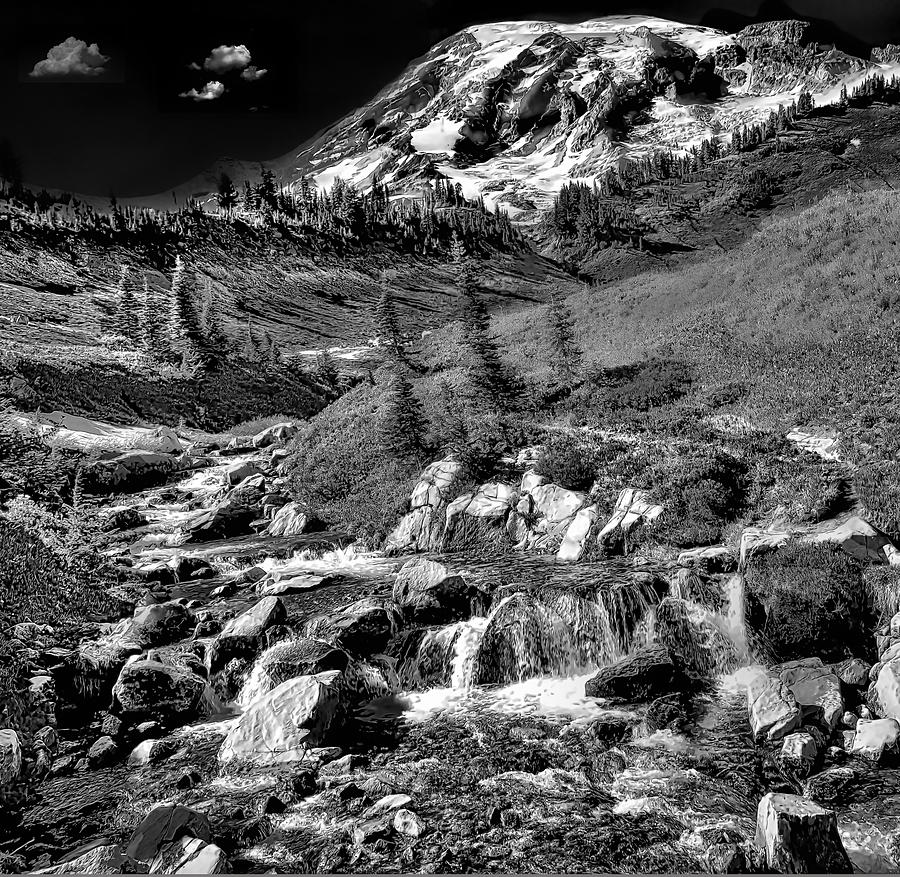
x=799, y=752
x=555, y=507
x=289, y=520
x=428, y=593
x=877, y=740
x=189, y=855
x=408, y=823
x=799, y=837
x=420, y=529
x=237, y=472
x=243, y=635
x=103, y=751
x=278, y=432
x=162, y=826
x=645, y=673
x=632, y=506
x=362, y=628
x=10, y=756
x=816, y=689
x=698, y=648
x=853, y=673
x=283, y=724
x=148, y=689
x=887, y=689
x=130, y=468
x=289, y=659
x=232, y=516
x=148, y=752
x=156, y=625
x=772, y=708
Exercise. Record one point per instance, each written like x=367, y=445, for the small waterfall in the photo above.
x=465, y=648
x=736, y=608
x=257, y=683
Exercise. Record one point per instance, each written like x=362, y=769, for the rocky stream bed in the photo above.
x=280, y=700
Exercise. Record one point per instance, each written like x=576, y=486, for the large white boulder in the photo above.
x=243, y=635
x=887, y=687
x=277, y=433
x=577, y=533
x=773, y=711
x=492, y=500
x=631, y=507
x=81, y=433
x=555, y=506
x=421, y=528
x=10, y=756
x=283, y=724
x=289, y=520
x=189, y=855
x=799, y=837
x=876, y=739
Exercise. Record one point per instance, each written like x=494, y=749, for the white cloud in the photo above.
x=210, y=91
x=226, y=58
x=253, y=74
x=72, y=57
x=194, y=66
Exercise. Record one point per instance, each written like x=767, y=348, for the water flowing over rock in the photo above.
x=232, y=515
x=149, y=689
x=281, y=726
x=696, y=645
x=428, y=593
x=798, y=836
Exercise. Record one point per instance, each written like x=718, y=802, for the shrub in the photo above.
x=638, y=387
x=878, y=488
x=339, y=469
x=574, y=461
x=701, y=491
x=812, y=603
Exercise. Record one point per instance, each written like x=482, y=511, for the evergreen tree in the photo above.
x=565, y=351
x=214, y=337
x=404, y=423
x=152, y=322
x=127, y=313
x=251, y=350
x=326, y=372
x=182, y=331
x=387, y=326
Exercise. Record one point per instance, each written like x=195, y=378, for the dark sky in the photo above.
x=128, y=131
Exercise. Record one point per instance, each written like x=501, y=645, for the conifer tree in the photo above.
x=227, y=195
x=387, y=325
x=404, y=423
x=326, y=372
x=151, y=322
x=214, y=337
x=182, y=330
x=251, y=349
x=565, y=351
x=127, y=314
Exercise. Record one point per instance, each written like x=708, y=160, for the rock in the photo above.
x=63, y=766
x=148, y=689
x=362, y=628
x=645, y=673
x=798, y=836
x=188, y=569
x=877, y=739
x=289, y=659
x=555, y=507
x=278, y=432
x=848, y=738
x=408, y=823
x=46, y=738
x=243, y=636
x=632, y=506
x=773, y=710
x=887, y=689
x=10, y=756
x=237, y=472
x=698, y=648
x=96, y=857
x=125, y=519
x=130, y=469
x=281, y=725
x=112, y=726
x=232, y=516
x=189, y=855
x=155, y=625
x=149, y=751
x=289, y=520
x=103, y=751
x=575, y=540
x=428, y=593
x=163, y=825
x=849, y=720
x=854, y=673
x=816, y=690
x=799, y=752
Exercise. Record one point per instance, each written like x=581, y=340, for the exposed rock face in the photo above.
x=156, y=625
x=148, y=689
x=773, y=711
x=131, y=469
x=275, y=434
x=646, y=673
x=237, y=472
x=362, y=628
x=799, y=752
x=428, y=593
x=189, y=855
x=853, y=673
x=421, y=528
x=697, y=648
x=233, y=515
x=790, y=32
x=887, y=688
x=489, y=502
x=243, y=636
x=632, y=507
x=282, y=725
x=799, y=837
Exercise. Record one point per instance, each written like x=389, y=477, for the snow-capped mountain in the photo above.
x=512, y=110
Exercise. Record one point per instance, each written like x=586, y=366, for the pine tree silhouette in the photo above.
x=566, y=353
x=404, y=423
